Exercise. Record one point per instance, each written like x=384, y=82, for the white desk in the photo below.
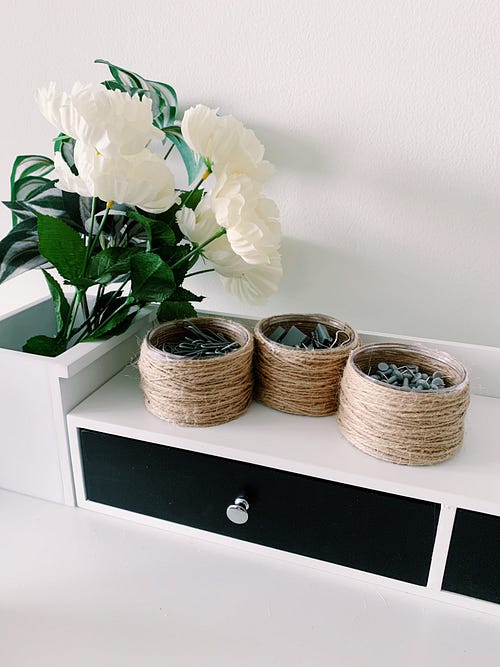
x=85, y=590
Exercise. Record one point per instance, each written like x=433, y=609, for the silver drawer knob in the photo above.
x=238, y=511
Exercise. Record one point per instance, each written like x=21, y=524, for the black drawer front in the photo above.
x=367, y=530
x=473, y=564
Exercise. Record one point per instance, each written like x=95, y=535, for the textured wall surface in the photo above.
x=381, y=118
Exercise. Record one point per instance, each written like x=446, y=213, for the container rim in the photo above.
x=266, y=323
x=437, y=355
x=230, y=325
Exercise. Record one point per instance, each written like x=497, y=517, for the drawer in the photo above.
x=473, y=564
x=368, y=530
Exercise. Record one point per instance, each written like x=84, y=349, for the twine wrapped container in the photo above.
x=400, y=426
x=299, y=381
x=197, y=392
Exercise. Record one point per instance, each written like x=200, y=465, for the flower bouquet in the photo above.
x=105, y=216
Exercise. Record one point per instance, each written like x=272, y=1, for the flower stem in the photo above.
x=73, y=311
x=81, y=296
x=92, y=217
x=169, y=151
x=197, y=273
x=204, y=177
x=85, y=308
x=120, y=287
x=197, y=251
x=124, y=305
x=93, y=315
x=91, y=233
x=91, y=246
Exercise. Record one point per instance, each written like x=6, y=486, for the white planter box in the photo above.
x=37, y=392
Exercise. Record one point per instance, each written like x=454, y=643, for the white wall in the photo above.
x=381, y=117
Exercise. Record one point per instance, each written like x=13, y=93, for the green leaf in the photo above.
x=20, y=261
x=192, y=161
x=45, y=346
x=72, y=203
x=158, y=232
x=29, y=165
x=178, y=256
x=32, y=193
x=110, y=263
x=152, y=279
x=38, y=196
x=19, y=250
x=66, y=146
x=174, y=310
x=29, y=187
x=61, y=305
x=62, y=246
x=24, y=167
x=193, y=197
x=168, y=219
x=80, y=283
x=181, y=294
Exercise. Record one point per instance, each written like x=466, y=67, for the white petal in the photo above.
x=54, y=104
x=198, y=226
x=225, y=261
x=67, y=180
x=198, y=126
x=142, y=179
x=250, y=219
x=224, y=141
x=109, y=120
x=186, y=220
x=255, y=284
x=250, y=283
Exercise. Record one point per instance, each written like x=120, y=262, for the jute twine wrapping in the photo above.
x=299, y=381
x=197, y=392
x=408, y=427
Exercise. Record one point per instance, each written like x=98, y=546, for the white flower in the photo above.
x=250, y=219
x=197, y=226
x=225, y=142
x=109, y=120
x=142, y=180
x=253, y=284
x=250, y=283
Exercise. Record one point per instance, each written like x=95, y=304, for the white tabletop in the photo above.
x=81, y=589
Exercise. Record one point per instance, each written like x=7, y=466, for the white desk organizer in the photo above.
x=299, y=491
x=38, y=392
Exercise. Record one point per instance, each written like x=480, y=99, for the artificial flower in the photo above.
x=255, y=283
x=251, y=283
x=224, y=142
x=111, y=121
x=142, y=179
x=198, y=225
x=250, y=219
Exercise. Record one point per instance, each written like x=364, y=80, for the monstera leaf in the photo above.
x=19, y=250
x=32, y=193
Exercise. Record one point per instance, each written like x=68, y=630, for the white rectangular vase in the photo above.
x=37, y=392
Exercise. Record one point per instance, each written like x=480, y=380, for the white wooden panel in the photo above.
x=37, y=392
